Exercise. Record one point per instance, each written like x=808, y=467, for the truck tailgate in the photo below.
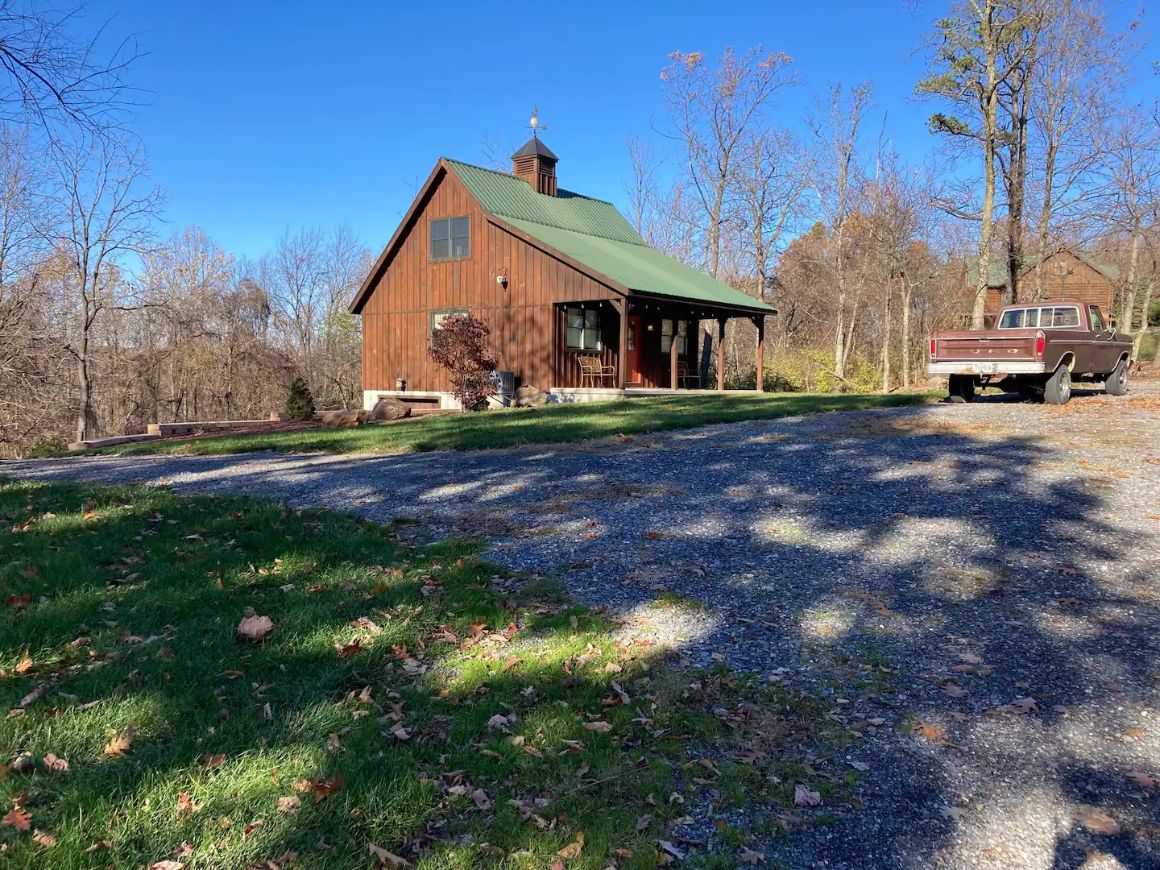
x=990, y=346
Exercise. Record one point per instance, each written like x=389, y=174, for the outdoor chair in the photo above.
x=594, y=371
x=685, y=378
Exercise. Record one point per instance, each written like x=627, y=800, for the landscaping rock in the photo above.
x=528, y=396
x=390, y=408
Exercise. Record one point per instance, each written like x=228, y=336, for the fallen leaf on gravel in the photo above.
x=748, y=856
x=573, y=849
x=54, y=762
x=289, y=805
x=18, y=818
x=387, y=858
x=1097, y=821
x=1025, y=705
x=1141, y=778
x=599, y=726
x=668, y=852
x=804, y=796
x=933, y=733
x=255, y=628
x=952, y=689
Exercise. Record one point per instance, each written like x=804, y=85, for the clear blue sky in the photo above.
x=263, y=116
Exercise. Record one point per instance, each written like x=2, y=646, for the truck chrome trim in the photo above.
x=998, y=367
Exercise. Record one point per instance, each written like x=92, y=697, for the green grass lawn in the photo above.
x=552, y=424
x=409, y=699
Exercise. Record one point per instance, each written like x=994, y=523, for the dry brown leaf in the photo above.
x=290, y=804
x=481, y=799
x=167, y=865
x=120, y=743
x=748, y=856
x=187, y=806
x=952, y=689
x=44, y=839
x=55, y=762
x=1098, y=822
x=18, y=818
x=388, y=859
x=804, y=796
x=599, y=726
x=24, y=665
x=1141, y=778
x=573, y=849
x=933, y=733
x=255, y=628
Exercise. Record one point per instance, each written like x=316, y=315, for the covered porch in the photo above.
x=647, y=344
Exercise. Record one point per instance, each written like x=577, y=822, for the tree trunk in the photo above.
x=1139, y=334
x=886, y=343
x=987, y=218
x=1130, y=289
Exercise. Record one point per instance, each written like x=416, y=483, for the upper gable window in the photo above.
x=449, y=239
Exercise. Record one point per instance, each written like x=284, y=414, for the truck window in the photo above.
x=1096, y=318
x=1013, y=319
x=1062, y=318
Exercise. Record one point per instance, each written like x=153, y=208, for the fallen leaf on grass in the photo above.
x=60, y=765
x=255, y=628
x=599, y=726
x=499, y=722
x=44, y=839
x=321, y=789
x=573, y=849
x=18, y=818
x=187, y=806
x=33, y=696
x=24, y=665
x=120, y=743
x=481, y=799
x=804, y=796
x=388, y=859
x=167, y=865
x=1141, y=778
x=289, y=805
x=217, y=759
x=1098, y=822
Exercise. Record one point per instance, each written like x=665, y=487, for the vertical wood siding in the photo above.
x=526, y=321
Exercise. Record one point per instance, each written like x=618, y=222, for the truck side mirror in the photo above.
x=1112, y=325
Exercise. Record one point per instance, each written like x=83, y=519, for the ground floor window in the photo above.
x=437, y=318
x=682, y=328
x=583, y=328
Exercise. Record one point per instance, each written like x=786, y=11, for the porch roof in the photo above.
x=592, y=232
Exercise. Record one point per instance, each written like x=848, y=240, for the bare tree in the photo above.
x=712, y=110
x=108, y=210
x=50, y=75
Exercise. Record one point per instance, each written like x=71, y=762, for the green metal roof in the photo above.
x=593, y=232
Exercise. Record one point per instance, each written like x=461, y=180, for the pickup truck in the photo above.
x=1036, y=349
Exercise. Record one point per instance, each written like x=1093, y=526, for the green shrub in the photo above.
x=300, y=402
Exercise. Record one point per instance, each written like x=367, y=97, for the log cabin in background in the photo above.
x=562, y=280
x=1065, y=274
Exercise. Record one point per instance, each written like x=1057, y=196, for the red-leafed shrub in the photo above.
x=459, y=345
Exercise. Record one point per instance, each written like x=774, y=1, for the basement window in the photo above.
x=450, y=239
x=682, y=328
x=583, y=328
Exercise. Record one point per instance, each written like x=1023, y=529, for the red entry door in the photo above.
x=633, y=361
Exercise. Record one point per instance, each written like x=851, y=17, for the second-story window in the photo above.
x=449, y=238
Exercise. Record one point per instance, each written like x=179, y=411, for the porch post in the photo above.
x=673, y=346
x=759, y=322
x=622, y=350
x=721, y=353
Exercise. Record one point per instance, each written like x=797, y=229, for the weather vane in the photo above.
x=535, y=122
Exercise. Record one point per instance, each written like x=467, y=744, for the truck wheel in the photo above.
x=1057, y=390
x=960, y=389
x=1116, y=383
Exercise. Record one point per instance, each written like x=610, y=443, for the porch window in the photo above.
x=449, y=239
x=583, y=328
x=682, y=328
x=436, y=321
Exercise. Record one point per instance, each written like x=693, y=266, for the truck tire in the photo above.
x=1116, y=383
x=960, y=389
x=1057, y=390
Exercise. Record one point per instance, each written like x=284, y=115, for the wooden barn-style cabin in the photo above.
x=1066, y=274
x=578, y=304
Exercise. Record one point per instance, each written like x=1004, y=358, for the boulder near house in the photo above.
x=578, y=304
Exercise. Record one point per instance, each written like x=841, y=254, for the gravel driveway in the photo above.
x=977, y=588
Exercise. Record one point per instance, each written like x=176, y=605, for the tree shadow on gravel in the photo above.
x=980, y=606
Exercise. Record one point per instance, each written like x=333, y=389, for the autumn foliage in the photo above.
x=460, y=346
